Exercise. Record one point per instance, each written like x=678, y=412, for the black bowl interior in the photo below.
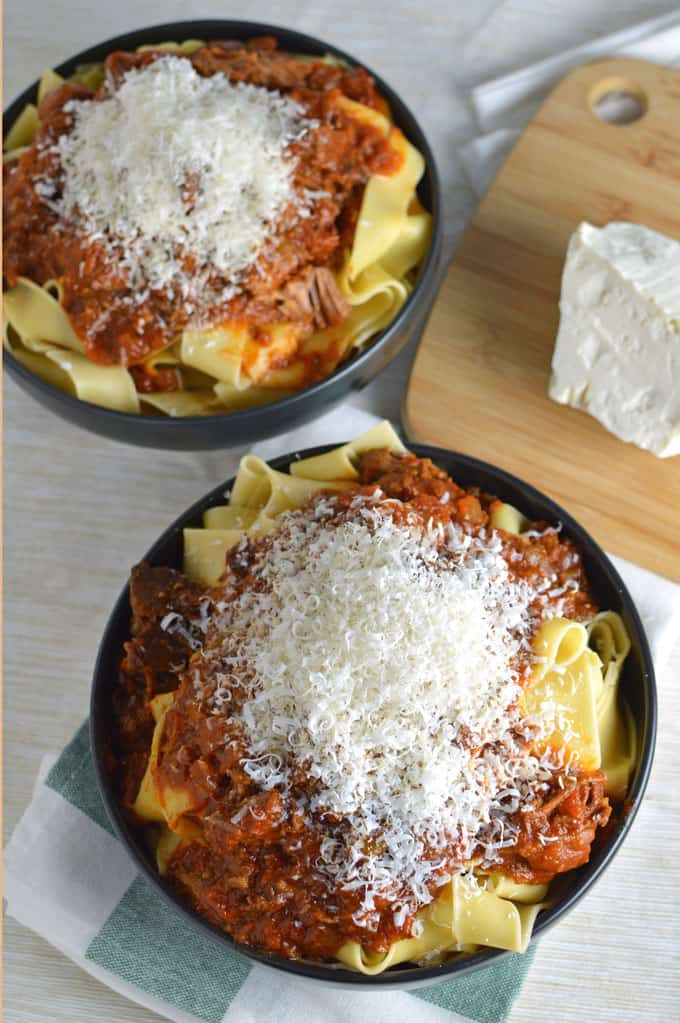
x=638, y=687
x=234, y=428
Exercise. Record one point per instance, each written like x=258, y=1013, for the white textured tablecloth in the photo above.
x=80, y=510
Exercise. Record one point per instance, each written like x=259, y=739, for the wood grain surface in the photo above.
x=480, y=379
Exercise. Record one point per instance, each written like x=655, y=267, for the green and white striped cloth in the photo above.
x=85, y=896
x=69, y=879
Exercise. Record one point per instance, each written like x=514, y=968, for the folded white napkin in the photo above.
x=504, y=106
x=510, y=101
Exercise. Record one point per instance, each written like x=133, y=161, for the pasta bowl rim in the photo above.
x=601, y=573
x=230, y=429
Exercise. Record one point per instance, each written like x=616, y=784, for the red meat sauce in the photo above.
x=252, y=872
x=291, y=280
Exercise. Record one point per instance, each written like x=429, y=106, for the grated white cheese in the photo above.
x=380, y=657
x=172, y=163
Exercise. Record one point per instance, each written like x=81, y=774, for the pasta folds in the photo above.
x=38, y=318
x=562, y=691
x=205, y=551
x=218, y=353
x=465, y=913
x=156, y=800
x=384, y=208
x=340, y=463
x=50, y=80
x=257, y=485
x=147, y=804
x=45, y=342
x=576, y=694
x=506, y=517
x=23, y=130
x=608, y=636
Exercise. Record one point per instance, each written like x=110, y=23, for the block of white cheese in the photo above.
x=617, y=354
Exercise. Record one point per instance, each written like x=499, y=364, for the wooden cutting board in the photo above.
x=479, y=382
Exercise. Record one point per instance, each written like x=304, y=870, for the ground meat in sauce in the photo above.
x=557, y=834
x=152, y=661
x=253, y=874
x=334, y=161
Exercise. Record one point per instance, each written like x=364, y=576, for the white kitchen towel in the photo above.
x=504, y=106
x=510, y=101
x=68, y=878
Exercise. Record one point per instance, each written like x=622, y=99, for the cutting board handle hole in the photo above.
x=617, y=101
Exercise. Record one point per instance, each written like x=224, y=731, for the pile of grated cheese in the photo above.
x=172, y=163
x=380, y=656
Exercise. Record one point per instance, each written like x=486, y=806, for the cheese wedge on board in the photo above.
x=617, y=354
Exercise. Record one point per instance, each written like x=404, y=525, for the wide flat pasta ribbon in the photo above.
x=38, y=318
x=108, y=386
x=466, y=914
x=157, y=800
x=561, y=693
x=218, y=352
x=187, y=47
x=39, y=334
x=147, y=805
x=340, y=463
x=205, y=552
x=384, y=206
x=618, y=738
x=410, y=245
x=257, y=485
x=508, y=518
x=50, y=80
x=22, y=132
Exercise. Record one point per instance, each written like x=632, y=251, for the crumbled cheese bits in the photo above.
x=174, y=163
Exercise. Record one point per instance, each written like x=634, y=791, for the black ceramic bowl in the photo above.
x=637, y=681
x=192, y=433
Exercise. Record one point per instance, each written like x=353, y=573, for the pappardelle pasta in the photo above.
x=374, y=716
x=203, y=227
